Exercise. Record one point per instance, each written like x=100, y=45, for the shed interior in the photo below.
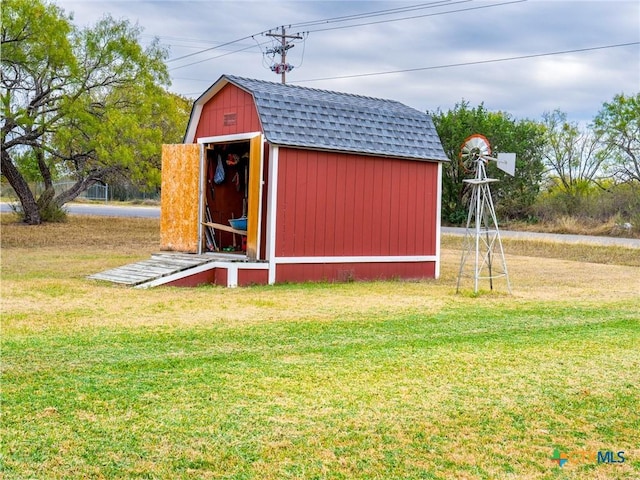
x=226, y=196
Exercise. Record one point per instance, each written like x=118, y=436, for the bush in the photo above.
x=48, y=213
x=596, y=203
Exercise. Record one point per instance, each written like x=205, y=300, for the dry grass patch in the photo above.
x=584, y=253
x=81, y=233
x=579, y=226
x=48, y=264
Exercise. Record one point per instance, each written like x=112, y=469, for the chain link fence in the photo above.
x=97, y=192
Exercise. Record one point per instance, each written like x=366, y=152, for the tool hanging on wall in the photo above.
x=219, y=175
x=246, y=190
x=210, y=234
x=236, y=180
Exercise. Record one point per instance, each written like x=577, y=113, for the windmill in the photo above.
x=482, y=237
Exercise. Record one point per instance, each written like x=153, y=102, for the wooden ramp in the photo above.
x=160, y=265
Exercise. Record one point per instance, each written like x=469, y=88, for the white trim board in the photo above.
x=363, y=259
x=229, y=138
x=231, y=267
x=438, y=222
x=272, y=211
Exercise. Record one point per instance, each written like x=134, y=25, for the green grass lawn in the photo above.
x=380, y=380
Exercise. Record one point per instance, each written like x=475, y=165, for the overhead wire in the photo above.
x=364, y=15
x=310, y=23
x=217, y=56
x=358, y=16
x=304, y=45
x=264, y=53
x=189, y=55
x=464, y=64
x=421, y=16
x=323, y=21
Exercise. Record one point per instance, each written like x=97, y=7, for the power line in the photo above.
x=342, y=19
x=452, y=65
x=358, y=16
x=209, y=49
x=213, y=58
x=421, y=16
x=464, y=64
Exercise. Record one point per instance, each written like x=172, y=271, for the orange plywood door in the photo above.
x=179, y=215
x=254, y=194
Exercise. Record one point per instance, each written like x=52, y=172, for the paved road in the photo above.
x=154, y=212
x=96, y=209
x=557, y=237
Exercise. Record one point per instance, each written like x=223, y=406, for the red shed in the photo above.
x=332, y=186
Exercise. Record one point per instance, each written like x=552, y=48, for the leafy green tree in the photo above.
x=169, y=117
x=514, y=195
x=87, y=104
x=575, y=157
x=618, y=126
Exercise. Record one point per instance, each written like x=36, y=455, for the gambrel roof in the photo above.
x=296, y=116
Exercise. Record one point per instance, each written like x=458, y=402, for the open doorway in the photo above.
x=231, y=189
x=226, y=196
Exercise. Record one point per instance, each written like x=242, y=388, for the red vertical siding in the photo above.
x=222, y=275
x=334, y=198
x=335, y=204
x=344, y=272
x=202, y=278
x=228, y=102
x=252, y=277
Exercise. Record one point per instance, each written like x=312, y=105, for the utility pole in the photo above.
x=283, y=67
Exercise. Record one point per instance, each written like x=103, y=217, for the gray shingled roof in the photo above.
x=311, y=118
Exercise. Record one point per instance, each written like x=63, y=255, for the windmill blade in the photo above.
x=474, y=146
x=507, y=163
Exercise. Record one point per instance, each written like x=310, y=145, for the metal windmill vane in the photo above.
x=482, y=236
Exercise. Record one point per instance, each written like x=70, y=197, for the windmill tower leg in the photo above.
x=477, y=192
x=482, y=238
x=497, y=241
x=470, y=243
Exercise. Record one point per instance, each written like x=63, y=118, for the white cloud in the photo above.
x=577, y=83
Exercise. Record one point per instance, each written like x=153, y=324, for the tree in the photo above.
x=83, y=103
x=524, y=137
x=575, y=158
x=618, y=125
x=168, y=117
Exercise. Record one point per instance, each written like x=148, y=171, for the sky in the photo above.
x=522, y=57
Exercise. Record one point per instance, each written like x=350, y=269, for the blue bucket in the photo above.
x=239, y=223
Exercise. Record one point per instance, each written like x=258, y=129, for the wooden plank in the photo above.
x=177, y=264
x=160, y=265
x=166, y=267
x=146, y=270
x=151, y=270
x=172, y=264
x=179, y=256
x=150, y=264
x=186, y=258
x=118, y=278
x=123, y=272
x=182, y=258
x=225, y=228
